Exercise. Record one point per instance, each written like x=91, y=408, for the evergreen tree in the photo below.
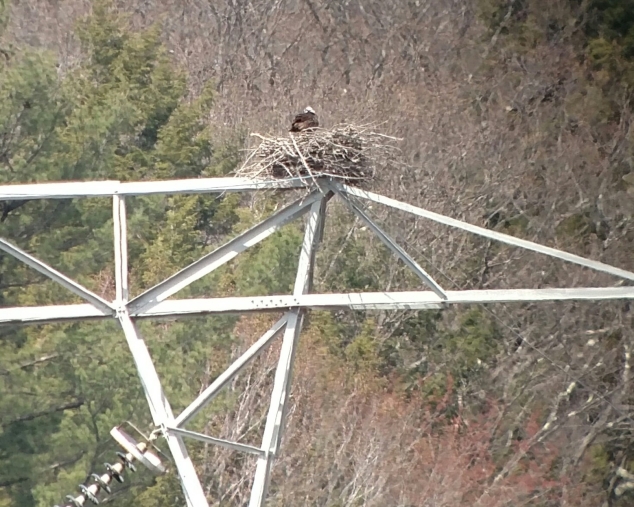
x=122, y=113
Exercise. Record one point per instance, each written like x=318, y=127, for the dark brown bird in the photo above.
x=305, y=120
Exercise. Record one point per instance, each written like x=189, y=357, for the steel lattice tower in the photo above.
x=155, y=302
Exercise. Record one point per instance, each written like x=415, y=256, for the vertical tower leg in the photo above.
x=281, y=388
x=159, y=406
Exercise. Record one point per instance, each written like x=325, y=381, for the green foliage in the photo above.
x=266, y=268
x=361, y=353
x=525, y=23
x=574, y=226
x=351, y=269
x=270, y=267
x=474, y=342
x=458, y=353
x=122, y=114
x=406, y=349
x=610, y=62
x=30, y=110
x=4, y=18
x=333, y=332
x=613, y=20
x=598, y=466
x=497, y=13
x=165, y=491
x=355, y=260
x=598, y=36
x=606, y=38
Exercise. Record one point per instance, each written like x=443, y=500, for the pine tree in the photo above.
x=124, y=113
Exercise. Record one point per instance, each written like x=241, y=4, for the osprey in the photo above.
x=305, y=120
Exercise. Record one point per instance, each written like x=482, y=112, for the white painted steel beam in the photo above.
x=487, y=233
x=53, y=274
x=59, y=190
x=162, y=412
x=394, y=247
x=316, y=220
x=292, y=332
x=235, y=446
x=145, y=368
x=120, y=250
x=109, y=188
x=20, y=315
x=275, y=416
x=222, y=255
x=159, y=406
x=207, y=185
x=422, y=300
x=278, y=408
x=303, y=285
x=227, y=376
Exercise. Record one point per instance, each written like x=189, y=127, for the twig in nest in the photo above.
x=347, y=153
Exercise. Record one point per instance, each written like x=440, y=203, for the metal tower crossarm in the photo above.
x=109, y=188
x=417, y=300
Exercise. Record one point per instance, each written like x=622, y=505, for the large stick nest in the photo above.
x=347, y=153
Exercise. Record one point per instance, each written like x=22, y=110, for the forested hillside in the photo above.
x=514, y=115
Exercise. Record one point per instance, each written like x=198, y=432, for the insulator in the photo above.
x=102, y=484
x=137, y=451
x=124, y=459
x=86, y=492
x=113, y=472
x=72, y=500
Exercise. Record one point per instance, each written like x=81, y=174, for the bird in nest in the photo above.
x=305, y=120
